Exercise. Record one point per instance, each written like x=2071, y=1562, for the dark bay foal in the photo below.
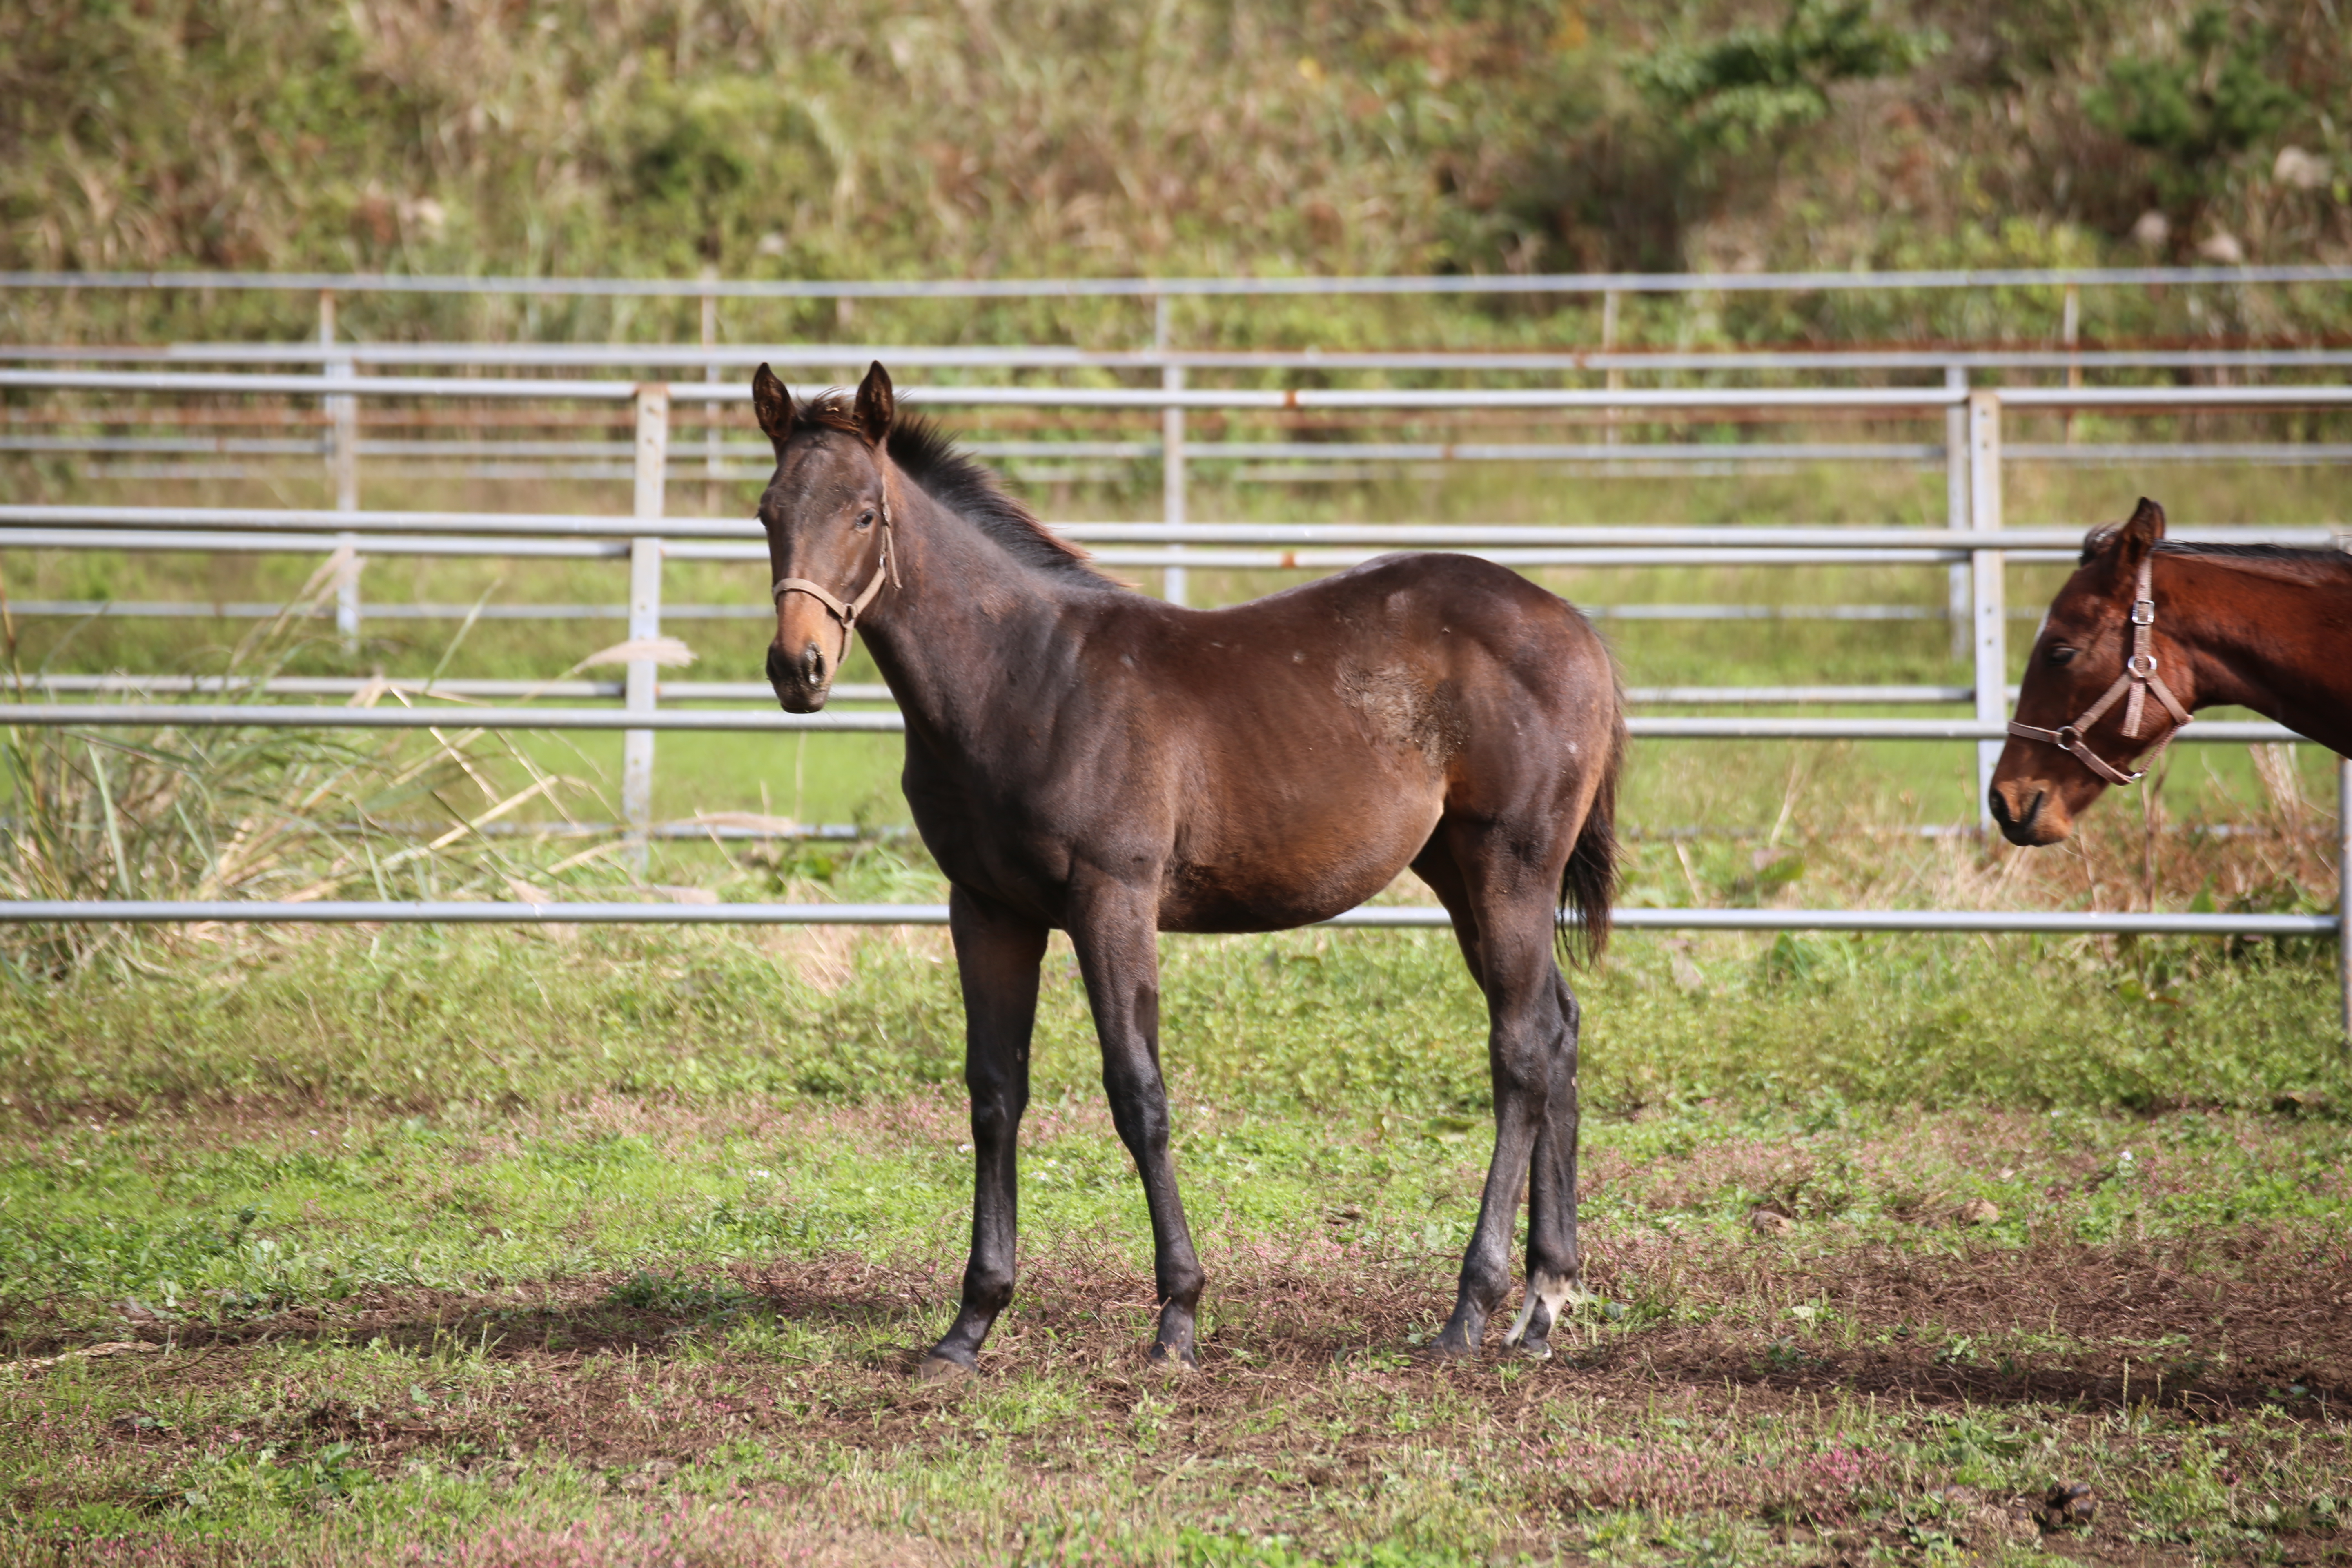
x=2144, y=634
x=1082, y=758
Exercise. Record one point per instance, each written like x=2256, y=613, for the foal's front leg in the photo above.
x=1115, y=929
x=997, y=955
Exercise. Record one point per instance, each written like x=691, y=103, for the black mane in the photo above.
x=929, y=457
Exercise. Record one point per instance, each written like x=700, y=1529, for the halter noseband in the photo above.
x=2138, y=678
x=847, y=614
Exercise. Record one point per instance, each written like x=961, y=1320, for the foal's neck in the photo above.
x=2279, y=647
x=966, y=631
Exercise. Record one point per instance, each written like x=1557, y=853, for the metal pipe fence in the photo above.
x=853, y=358
x=738, y=720
x=1390, y=917
x=1976, y=538
x=1573, y=283
x=844, y=691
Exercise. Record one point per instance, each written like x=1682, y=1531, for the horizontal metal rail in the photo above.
x=1626, y=399
x=1309, y=285
x=1194, y=555
x=1137, y=397
x=371, y=525
x=759, y=691
x=309, y=544
x=233, y=609
x=288, y=716
x=1257, y=462
x=853, y=358
x=135, y=911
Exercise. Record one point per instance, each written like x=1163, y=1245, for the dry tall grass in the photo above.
x=246, y=813
x=778, y=137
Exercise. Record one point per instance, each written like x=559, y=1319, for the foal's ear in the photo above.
x=773, y=405
x=876, y=404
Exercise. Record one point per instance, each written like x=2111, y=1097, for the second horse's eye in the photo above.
x=865, y=518
x=2062, y=654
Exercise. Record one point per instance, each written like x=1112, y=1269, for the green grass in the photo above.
x=506, y=1250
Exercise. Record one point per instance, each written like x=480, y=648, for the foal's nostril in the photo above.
x=780, y=668
x=1998, y=806
x=813, y=665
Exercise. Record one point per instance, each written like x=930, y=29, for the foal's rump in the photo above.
x=1327, y=730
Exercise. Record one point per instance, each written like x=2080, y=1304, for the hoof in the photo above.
x=1450, y=1352
x=1183, y=1365
x=938, y=1369
x=1533, y=1349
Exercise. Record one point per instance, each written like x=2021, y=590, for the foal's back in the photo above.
x=1298, y=751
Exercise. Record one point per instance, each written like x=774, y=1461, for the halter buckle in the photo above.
x=2142, y=611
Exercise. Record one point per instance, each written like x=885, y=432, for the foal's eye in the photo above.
x=2062, y=654
x=865, y=518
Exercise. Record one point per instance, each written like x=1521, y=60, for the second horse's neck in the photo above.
x=2279, y=647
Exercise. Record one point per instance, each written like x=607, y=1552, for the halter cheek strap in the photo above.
x=847, y=614
x=2137, y=679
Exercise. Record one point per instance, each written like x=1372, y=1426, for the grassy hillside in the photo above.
x=781, y=138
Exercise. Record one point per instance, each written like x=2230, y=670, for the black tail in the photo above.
x=1588, y=886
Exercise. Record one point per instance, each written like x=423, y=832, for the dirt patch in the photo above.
x=1310, y=1385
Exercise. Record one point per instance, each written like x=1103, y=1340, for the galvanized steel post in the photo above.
x=342, y=471
x=1956, y=510
x=1986, y=580
x=710, y=430
x=1177, y=583
x=2070, y=329
x=1615, y=378
x=644, y=616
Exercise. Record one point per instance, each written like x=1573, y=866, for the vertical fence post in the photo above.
x=709, y=410
x=2070, y=328
x=644, y=617
x=1616, y=378
x=343, y=470
x=1986, y=577
x=1955, y=511
x=2344, y=894
x=1177, y=581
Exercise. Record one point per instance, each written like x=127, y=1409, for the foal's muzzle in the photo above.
x=801, y=684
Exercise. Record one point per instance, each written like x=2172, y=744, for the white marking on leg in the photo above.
x=1552, y=1292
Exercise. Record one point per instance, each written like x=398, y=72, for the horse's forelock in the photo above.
x=2097, y=540
x=834, y=409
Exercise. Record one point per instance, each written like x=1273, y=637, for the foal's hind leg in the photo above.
x=1555, y=1269
x=1503, y=908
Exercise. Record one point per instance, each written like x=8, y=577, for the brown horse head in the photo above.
x=2040, y=786
x=827, y=511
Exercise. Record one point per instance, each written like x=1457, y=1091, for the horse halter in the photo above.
x=847, y=614
x=2139, y=679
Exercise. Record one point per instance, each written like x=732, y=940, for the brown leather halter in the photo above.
x=2139, y=679
x=847, y=614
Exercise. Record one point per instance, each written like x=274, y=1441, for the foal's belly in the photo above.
x=1294, y=872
